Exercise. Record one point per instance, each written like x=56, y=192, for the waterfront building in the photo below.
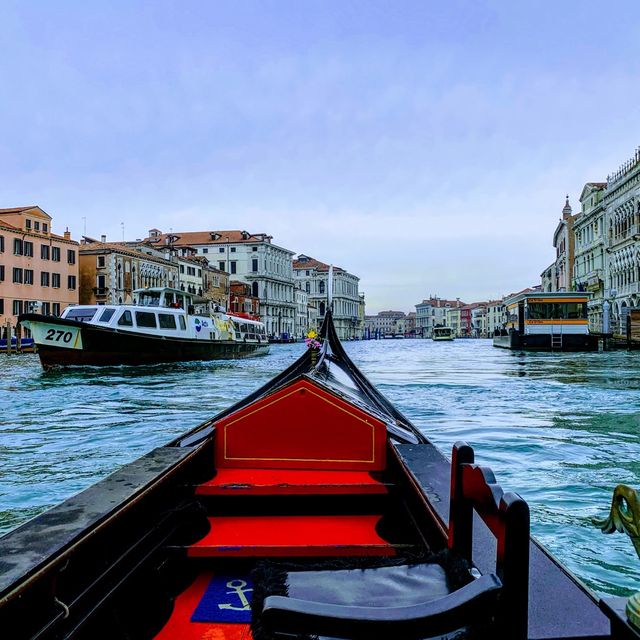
x=563, y=242
x=465, y=321
x=496, y=317
x=424, y=322
x=111, y=271
x=242, y=302
x=589, y=260
x=190, y=265
x=479, y=319
x=452, y=319
x=251, y=258
x=195, y=274
x=410, y=324
x=548, y=278
x=386, y=323
x=361, y=313
x=216, y=285
x=313, y=275
x=306, y=312
x=431, y=313
x=472, y=320
x=38, y=268
x=622, y=205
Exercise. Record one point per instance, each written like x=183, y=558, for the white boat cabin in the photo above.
x=169, y=313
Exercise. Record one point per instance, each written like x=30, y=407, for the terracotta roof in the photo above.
x=527, y=290
x=234, y=236
x=14, y=210
x=115, y=246
x=17, y=209
x=31, y=233
x=210, y=267
x=311, y=263
x=8, y=225
x=440, y=302
x=199, y=259
x=56, y=237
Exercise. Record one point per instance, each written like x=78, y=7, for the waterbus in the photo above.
x=442, y=333
x=538, y=321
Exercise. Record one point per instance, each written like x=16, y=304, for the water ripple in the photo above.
x=561, y=429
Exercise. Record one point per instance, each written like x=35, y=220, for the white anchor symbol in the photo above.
x=237, y=587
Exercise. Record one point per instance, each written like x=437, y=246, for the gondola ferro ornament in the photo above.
x=624, y=517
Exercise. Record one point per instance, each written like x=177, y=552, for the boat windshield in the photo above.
x=169, y=299
x=149, y=298
x=82, y=314
x=442, y=331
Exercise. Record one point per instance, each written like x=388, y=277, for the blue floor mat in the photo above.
x=226, y=599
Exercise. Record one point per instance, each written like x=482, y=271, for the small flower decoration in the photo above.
x=311, y=341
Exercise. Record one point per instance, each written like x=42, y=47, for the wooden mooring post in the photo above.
x=7, y=333
x=18, y=338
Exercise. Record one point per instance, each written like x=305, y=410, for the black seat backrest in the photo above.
x=474, y=488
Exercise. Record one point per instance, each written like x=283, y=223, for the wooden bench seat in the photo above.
x=292, y=536
x=276, y=482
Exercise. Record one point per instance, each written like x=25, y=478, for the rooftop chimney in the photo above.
x=67, y=234
x=103, y=238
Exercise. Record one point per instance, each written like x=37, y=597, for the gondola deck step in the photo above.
x=293, y=536
x=290, y=482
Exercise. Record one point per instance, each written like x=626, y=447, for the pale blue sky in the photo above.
x=424, y=146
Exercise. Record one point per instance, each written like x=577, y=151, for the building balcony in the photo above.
x=628, y=289
x=632, y=233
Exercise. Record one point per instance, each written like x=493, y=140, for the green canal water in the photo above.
x=561, y=429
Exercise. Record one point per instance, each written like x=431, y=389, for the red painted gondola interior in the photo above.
x=301, y=426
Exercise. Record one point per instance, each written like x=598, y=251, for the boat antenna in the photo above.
x=330, y=289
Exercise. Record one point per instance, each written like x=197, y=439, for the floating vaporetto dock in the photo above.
x=538, y=321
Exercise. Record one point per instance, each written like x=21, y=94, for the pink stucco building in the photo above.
x=36, y=265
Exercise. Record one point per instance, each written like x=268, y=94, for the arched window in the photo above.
x=321, y=287
x=322, y=307
x=254, y=289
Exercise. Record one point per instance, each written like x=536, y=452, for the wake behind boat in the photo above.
x=312, y=507
x=163, y=326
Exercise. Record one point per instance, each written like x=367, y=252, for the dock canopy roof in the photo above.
x=555, y=296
